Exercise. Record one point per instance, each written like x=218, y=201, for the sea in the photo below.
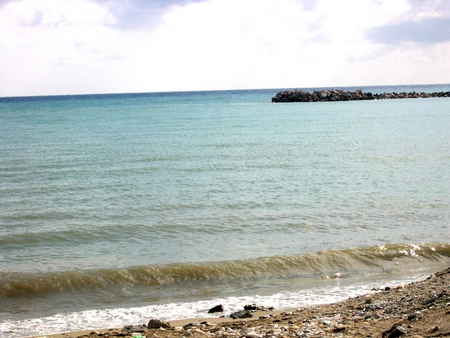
x=120, y=208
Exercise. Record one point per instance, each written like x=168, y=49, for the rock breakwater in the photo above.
x=341, y=95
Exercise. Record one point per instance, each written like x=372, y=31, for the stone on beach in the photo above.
x=395, y=331
x=134, y=328
x=241, y=314
x=157, y=324
x=254, y=307
x=217, y=308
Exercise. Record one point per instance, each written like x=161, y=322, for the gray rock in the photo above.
x=207, y=324
x=254, y=307
x=157, y=324
x=134, y=328
x=412, y=316
x=395, y=331
x=338, y=328
x=251, y=307
x=190, y=326
x=217, y=308
x=241, y=314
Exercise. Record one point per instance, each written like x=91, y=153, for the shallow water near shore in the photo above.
x=119, y=208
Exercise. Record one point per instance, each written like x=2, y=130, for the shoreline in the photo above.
x=418, y=309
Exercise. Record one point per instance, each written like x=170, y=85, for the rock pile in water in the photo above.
x=341, y=95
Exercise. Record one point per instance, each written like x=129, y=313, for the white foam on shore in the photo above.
x=119, y=317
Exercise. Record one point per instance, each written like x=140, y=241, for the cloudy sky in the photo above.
x=110, y=46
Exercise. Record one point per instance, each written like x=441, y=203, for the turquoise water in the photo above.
x=117, y=202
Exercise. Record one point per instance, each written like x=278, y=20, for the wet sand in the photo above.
x=419, y=309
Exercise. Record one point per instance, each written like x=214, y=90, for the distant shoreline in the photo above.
x=341, y=95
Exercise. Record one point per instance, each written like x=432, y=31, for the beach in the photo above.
x=115, y=209
x=419, y=309
x=285, y=162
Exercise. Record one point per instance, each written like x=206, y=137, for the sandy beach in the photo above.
x=419, y=309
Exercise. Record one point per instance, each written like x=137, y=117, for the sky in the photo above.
x=54, y=47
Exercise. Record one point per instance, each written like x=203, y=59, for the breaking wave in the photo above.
x=322, y=264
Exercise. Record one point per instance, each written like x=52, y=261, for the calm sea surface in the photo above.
x=115, y=209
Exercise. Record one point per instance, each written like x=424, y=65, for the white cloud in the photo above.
x=85, y=46
x=140, y=14
x=49, y=44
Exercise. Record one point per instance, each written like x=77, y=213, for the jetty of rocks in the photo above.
x=341, y=95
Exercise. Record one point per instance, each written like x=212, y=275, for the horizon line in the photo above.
x=215, y=90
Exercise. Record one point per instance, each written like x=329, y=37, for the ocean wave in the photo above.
x=324, y=264
x=121, y=316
